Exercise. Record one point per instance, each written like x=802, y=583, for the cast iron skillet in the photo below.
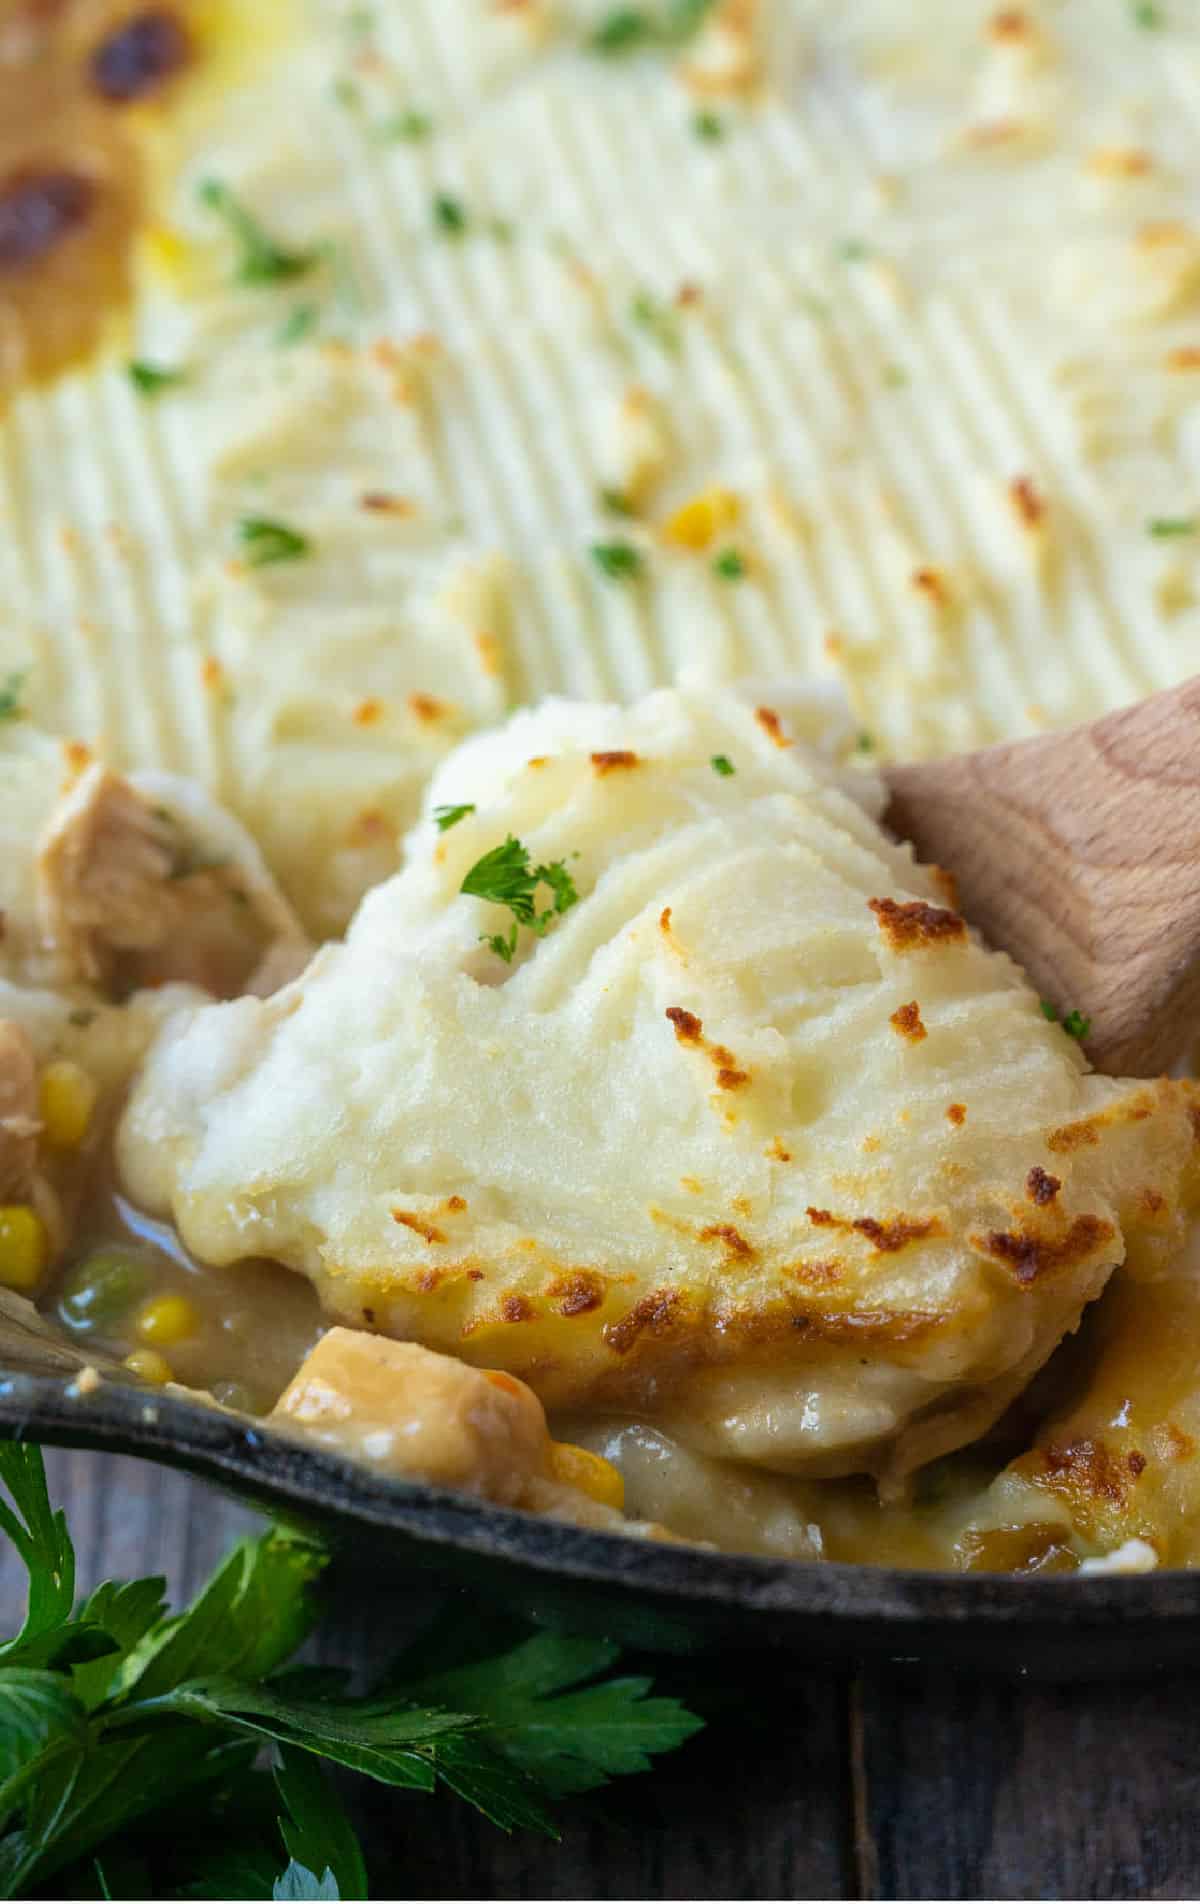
x=645, y=1593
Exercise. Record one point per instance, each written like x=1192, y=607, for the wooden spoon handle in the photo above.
x=1079, y=853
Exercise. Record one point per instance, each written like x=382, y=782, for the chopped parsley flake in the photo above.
x=347, y=93
x=265, y=541
x=410, y=126
x=628, y=29
x=260, y=260
x=1164, y=526
x=730, y=565
x=149, y=379
x=895, y=376
x=447, y=817
x=656, y=319
x=622, y=30
x=10, y=696
x=865, y=742
x=684, y=18
x=854, y=250
x=620, y=561
x=450, y=215
x=505, y=877
x=1074, y=1023
x=617, y=502
x=707, y=126
x=1146, y=14
x=302, y=321
x=721, y=764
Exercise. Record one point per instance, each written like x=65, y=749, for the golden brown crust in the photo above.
x=913, y=924
x=614, y=761
x=887, y=1235
x=906, y=1019
x=1031, y=1256
x=771, y=725
x=1041, y=1187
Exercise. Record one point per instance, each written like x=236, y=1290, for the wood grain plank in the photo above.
x=971, y=1788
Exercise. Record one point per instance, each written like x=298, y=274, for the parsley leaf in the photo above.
x=620, y=561
x=1146, y=14
x=450, y=215
x=721, y=764
x=622, y=30
x=408, y=125
x=658, y=320
x=260, y=259
x=315, y=1829
x=10, y=696
x=97, y=1761
x=1074, y=1023
x=446, y=817
x=617, y=502
x=627, y=29
x=150, y=379
x=506, y=878
x=1164, y=526
x=730, y=565
x=540, y=1713
x=685, y=18
x=41, y=1539
x=707, y=126
x=264, y=541
x=299, y=324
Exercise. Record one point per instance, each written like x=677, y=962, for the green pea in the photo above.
x=101, y=1288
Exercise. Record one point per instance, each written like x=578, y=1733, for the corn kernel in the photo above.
x=66, y=1099
x=166, y=250
x=150, y=1365
x=590, y=1473
x=24, y=1246
x=697, y=524
x=167, y=1319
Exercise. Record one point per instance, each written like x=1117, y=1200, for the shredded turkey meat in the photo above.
x=126, y=900
x=18, y=1114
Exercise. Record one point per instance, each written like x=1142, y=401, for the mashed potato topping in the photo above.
x=372, y=372
x=752, y=1135
x=914, y=289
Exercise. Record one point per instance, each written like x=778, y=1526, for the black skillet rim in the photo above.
x=321, y=1487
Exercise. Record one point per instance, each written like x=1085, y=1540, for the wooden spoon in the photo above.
x=1079, y=853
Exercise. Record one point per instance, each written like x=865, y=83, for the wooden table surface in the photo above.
x=887, y=1783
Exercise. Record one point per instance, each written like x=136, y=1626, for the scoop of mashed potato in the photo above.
x=714, y=1112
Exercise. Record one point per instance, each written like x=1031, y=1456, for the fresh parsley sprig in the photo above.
x=1075, y=1023
x=263, y=541
x=261, y=260
x=506, y=877
x=448, y=816
x=150, y=380
x=629, y=29
x=112, y=1712
x=10, y=695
